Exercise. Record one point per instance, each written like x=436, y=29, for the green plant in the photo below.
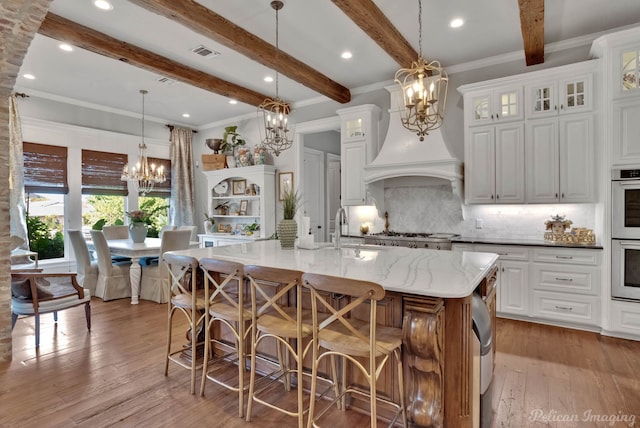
x=290, y=202
x=231, y=139
x=208, y=217
x=47, y=243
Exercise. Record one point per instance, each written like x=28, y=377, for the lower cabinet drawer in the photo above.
x=566, y=307
x=566, y=278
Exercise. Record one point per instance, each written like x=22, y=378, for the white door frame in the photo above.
x=332, y=123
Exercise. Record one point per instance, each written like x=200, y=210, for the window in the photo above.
x=45, y=185
x=103, y=192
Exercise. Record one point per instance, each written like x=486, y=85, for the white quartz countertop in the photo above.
x=447, y=274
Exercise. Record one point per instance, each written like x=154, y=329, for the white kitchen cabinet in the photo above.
x=560, y=159
x=220, y=240
x=565, y=285
x=359, y=146
x=513, y=278
x=353, y=158
x=626, y=128
x=556, y=97
x=496, y=105
x=494, y=157
x=252, y=187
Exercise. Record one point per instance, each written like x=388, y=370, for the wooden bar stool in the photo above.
x=274, y=317
x=184, y=299
x=342, y=334
x=225, y=304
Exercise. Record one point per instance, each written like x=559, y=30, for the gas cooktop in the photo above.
x=436, y=241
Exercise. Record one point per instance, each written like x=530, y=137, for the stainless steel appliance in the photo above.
x=625, y=269
x=625, y=212
x=484, y=332
x=432, y=241
x=625, y=231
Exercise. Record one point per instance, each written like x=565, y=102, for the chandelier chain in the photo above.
x=420, y=26
x=277, y=54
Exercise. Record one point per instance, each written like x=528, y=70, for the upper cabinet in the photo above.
x=539, y=149
x=359, y=146
x=561, y=96
x=494, y=106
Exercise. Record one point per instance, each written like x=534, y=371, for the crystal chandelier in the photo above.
x=424, y=91
x=145, y=174
x=278, y=136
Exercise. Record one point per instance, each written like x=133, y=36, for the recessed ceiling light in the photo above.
x=268, y=79
x=65, y=47
x=29, y=76
x=186, y=115
x=456, y=23
x=233, y=102
x=103, y=4
x=346, y=55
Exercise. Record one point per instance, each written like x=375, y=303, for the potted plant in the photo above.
x=231, y=139
x=209, y=221
x=288, y=228
x=139, y=222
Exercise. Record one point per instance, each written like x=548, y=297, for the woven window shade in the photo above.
x=161, y=190
x=101, y=172
x=45, y=168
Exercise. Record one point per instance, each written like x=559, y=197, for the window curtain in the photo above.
x=182, y=204
x=16, y=176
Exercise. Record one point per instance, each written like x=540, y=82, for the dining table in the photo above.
x=428, y=293
x=136, y=250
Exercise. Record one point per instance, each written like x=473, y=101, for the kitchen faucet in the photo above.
x=341, y=218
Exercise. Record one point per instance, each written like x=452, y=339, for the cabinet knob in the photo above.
x=555, y=108
x=497, y=196
x=561, y=106
x=562, y=196
x=556, y=195
x=492, y=197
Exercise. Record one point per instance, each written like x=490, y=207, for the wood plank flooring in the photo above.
x=113, y=376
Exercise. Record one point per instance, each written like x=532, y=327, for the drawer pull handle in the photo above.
x=565, y=257
x=565, y=279
x=503, y=254
x=564, y=308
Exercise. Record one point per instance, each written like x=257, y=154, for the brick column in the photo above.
x=19, y=21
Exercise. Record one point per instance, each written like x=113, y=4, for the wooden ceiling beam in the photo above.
x=532, y=26
x=211, y=25
x=366, y=15
x=62, y=29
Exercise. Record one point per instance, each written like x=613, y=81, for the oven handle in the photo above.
x=629, y=243
x=627, y=182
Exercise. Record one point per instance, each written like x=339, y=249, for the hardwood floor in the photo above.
x=113, y=376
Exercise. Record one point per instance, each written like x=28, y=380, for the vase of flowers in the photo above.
x=288, y=228
x=138, y=225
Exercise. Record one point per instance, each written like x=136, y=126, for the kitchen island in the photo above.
x=428, y=294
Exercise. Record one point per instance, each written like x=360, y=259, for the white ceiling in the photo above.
x=316, y=32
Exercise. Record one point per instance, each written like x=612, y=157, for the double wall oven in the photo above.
x=625, y=234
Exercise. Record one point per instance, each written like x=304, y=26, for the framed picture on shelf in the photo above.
x=244, y=204
x=238, y=186
x=285, y=183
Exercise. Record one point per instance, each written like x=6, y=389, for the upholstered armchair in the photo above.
x=34, y=292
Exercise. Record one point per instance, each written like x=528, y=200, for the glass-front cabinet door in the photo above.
x=496, y=106
x=570, y=95
x=629, y=80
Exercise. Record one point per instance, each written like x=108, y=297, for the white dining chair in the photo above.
x=116, y=232
x=113, y=277
x=154, y=281
x=87, y=269
x=194, y=231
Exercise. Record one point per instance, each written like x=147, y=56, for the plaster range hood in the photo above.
x=404, y=155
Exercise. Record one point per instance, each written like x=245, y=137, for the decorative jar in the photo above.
x=243, y=157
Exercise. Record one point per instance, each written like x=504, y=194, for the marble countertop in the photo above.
x=446, y=274
x=522, y=242
x=232, y=236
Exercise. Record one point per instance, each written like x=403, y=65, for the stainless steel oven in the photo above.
x=625, y=269
x=625, y=209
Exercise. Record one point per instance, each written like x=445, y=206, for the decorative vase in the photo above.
x=231, y=161
x=260, y=155
x=138, y=232
x=208, y=226
x=287, y=231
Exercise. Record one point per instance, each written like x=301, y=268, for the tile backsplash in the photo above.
x=437, y=209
